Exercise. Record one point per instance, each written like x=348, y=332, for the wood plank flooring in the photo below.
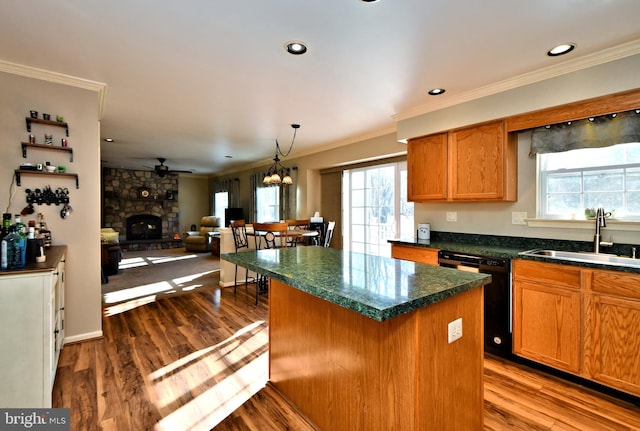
x=199, y=361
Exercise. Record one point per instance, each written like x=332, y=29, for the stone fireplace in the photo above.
x=154, y=219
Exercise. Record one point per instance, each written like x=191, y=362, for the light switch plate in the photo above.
x=452, y=216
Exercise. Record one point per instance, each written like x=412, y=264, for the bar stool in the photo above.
x=240, y=241
x=269, y=236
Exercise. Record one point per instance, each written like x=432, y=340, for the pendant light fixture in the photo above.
x=278, y=174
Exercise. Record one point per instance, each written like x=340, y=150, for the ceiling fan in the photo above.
x=163, y=169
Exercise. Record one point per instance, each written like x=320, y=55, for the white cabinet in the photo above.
x=31, y=331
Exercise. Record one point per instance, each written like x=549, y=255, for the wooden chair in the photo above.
x=268, y=236
x=297, y=225
x=241, y=241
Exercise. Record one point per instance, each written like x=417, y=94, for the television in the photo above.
x=232, y=214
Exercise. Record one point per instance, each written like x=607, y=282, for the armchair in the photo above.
x=202, y=239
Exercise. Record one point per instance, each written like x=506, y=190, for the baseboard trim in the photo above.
x=83, y=337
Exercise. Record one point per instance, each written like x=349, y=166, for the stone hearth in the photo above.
x=121, y=199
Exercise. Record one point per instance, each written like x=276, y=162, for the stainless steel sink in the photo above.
x=584, y=256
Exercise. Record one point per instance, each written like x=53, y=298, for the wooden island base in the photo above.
x=345, y=371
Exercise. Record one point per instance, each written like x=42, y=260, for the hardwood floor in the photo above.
x=199, y=361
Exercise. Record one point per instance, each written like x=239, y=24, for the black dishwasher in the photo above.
x=497, y=296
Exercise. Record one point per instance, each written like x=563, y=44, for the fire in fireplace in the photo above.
x=143, y=226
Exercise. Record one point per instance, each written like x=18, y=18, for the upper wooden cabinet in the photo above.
x=427, y=168
x=477, y=163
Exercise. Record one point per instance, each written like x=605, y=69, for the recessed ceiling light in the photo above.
x=369, y=1
x=228, y=157
x=295, y=47
x=108, y=139
x=436, y=91
x=562, y=49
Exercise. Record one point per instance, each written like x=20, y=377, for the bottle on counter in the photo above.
x=14, y=250
x=46, y=234
x=6, y=223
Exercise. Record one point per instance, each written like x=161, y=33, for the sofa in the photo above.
x=201, y=240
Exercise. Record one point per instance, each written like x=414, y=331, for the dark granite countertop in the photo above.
x=377, y=287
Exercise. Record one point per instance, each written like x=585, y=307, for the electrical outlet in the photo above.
x=519, y=218
x=454, y=330
x=452, y=216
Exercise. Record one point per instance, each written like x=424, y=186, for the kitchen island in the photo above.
x=361, y=342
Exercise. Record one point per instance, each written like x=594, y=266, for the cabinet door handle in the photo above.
x=56, y=273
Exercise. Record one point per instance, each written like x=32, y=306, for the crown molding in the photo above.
x=57, y=78
x=608, y=55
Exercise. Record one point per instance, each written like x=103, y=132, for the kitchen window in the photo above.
x=571, y=181
x=376, y=208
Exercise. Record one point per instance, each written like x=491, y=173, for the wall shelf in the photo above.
x=26, y=145
x=20, y=172
x=30, y=120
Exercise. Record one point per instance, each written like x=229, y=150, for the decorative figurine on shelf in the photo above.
x=34, y=114
x=46, y=116
x=63, y=142
x=48, y=139
x=32, y=139
x=59, y=118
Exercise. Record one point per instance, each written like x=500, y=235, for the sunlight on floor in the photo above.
x=133, y=262
x=239, y=366
x=135, y=296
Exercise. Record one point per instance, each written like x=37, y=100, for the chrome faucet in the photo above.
x=600, y=223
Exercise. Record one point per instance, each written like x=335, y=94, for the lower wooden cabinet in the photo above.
x=612, y=330
x=546, y=325
x=415, y=254
x=579, y=320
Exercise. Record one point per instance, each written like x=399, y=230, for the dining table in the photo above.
x=293, y=234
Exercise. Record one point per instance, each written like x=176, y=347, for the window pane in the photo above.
x=603, y=181
x=357, y=180
x=220, y=202
x=590, y=178
x=565, y=183
x=267, y=201
x=378, y=206
x=563, y=204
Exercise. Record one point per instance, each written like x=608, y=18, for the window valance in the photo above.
x=596, y=132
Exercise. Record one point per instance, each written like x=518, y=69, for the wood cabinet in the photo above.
x=580, y=320
x=415, y=254
x=32, y=331
x=612, y=330
x=477, y=163
x=427, y=168
x=546, y=325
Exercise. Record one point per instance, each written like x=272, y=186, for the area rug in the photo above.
x=156, y=273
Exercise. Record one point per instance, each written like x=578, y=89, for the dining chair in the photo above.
x=272, y=235
x=329, y=235
x=241, y=241
x=269, y=236
x=297, y=225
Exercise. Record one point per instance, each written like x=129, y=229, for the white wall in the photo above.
x=80, y=232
